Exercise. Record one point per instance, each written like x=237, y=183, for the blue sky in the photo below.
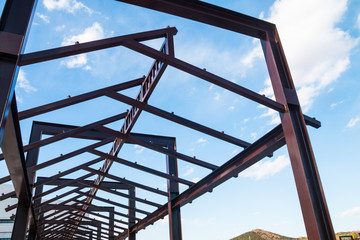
x=321, y=42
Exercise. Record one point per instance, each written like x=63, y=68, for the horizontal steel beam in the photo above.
x=125, y=181
x=208, y=13
x=160, y=149
x=70, y=182
x=58, y=197
x=62, y=186
x=203, y=74
x=54, y=178
x=77, y=99
x=70, y=155
x=141, y=167
x=113, y=203
x=270, y=142
x=51, y=54
x=180, y=120
x=145, y=201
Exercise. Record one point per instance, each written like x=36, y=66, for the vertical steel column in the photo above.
x=312, y=200
x=32, y=157
x=173, y=190
x=111, y=224
x=98, y=232
x=14, y=23
x=21, y=221
x=132, y=213
x=38, y=191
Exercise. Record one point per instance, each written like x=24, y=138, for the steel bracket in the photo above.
x=291, y=97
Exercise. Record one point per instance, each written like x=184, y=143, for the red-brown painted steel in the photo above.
x=13, y=26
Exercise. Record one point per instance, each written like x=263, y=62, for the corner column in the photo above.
x=312, y=199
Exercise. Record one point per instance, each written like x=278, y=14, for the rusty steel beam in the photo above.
x=129, y=138
x=95, y=208
x=62, y=186
x=270, y=142
x=73, y=132
x=58, y=197
x=77, y=99
x=89, y=218
x=51, y=54
x=70, y=155
x=83, y=224
x=100, y=187
x=71, y=183
x=62, y=213
x=7, y=195
x=113, y=203
x=56, y=177
x=141, y=167
x=147, y=87
x=177, y=119
x=50, y=207
x=203, y=74
x=209, y=14
x=126, y=181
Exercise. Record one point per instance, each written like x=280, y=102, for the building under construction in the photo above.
x=62, y=206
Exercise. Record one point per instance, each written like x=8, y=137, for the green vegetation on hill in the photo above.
x=259, y=234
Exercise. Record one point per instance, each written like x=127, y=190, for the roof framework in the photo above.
x=82, y=208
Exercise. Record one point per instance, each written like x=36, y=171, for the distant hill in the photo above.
x=259, y=234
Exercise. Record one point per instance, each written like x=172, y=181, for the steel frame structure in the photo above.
x=66, y=215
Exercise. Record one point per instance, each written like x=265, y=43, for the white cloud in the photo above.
x=23, y=83
x=70, y=6
x=352, y=122
x=43, y=17
x=91, y=33
x=358, y=22
x=75, y=61
x=253, y=135
x=266, y=169
x=351, y=212
x=248, y=60
x=202, y=140
x=334, y=105
x=59, y=28
x=217, y=96
x=189, y=171
x=231, y=108
x=317, y=51
x=275, y=118
x=139, y=149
